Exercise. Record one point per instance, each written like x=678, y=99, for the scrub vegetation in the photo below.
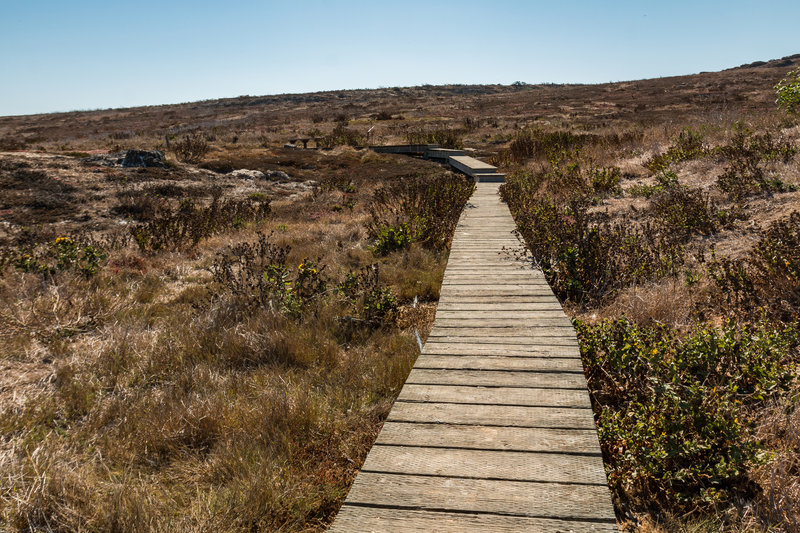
x=213, y=345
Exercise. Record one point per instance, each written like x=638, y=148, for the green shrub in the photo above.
x=184, y=227
x=605, y=180
x=583, y=260
x=688, y=145
x=788, y=92
x=342, y=136
x=672, y=411
x=537, y=142
x=253, y=274
x=417, y=209
x=61, y=255
x=444, y=137
x=373, y=303
x=686, y=211
x=746, y=155
x=391, y=239
x=767, y=280
x=665, y=180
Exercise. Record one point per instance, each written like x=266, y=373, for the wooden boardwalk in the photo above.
x=493, y=430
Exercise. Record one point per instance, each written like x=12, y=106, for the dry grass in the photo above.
x=668, y=302
x=146, y=398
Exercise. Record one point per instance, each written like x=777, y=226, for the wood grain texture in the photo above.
x=494, y=362
x=498, y=378
x=486, y=464
x=357, y=519
x=581, y=441
x=520, y=498
x=492, y=415
x=472, y=394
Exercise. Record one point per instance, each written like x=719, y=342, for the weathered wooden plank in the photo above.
x=546, y=500
x=445, y=347
x=497, y=362
x=486, y=464
x=527, y=340
x=357, y=519
x=514, y=330
x=473, y=292
x=502, y=321
x=531, y=332
x=459, y=299
x=537, y=379
x=497, y=278
x=488, y=317
x=495, y=396
x=498, y=378
x=503, y=350
x=492, y=415
x=582, y=441
x=541, y=304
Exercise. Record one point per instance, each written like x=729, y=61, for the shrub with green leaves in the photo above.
x=61, y=255
x=393, y=238
x=605, y=180
x=788, y=92
x=417, y=209
x=584, y=260
x=536, y=141
x=191, y=148
x=686, y=211
x=342, y=136
x=688, y=145
x=665, y=179
x=673, y=410
x=747, y=153
x=188, y=224
x=767, y=279
x=372, y=302
x=444, y=137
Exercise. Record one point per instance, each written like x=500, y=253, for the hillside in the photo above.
x=213, y=342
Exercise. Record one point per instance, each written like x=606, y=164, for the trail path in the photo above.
x=493, y=430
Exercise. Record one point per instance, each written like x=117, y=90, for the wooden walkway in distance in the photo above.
x=493, y=430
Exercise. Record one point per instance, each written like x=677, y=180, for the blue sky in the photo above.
x=62, y=56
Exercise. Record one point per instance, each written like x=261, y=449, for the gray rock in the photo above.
x=105, y=160
x=277, y=175
x=143, y=158
x=245, y=174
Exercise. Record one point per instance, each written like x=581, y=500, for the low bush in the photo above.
x=183, y=227
x=767, y=280
x=256, y=276
x=191, y=148
x=78, y=254
x=605, y=180
x=747, y=154
x=686, y=211
x=583, y=260
x=372, y=302
x=673, y=412
x=342, y=136
x=417, y=209
x=788, y=92
x=392, y=238
x=444, y=137
x=665, y=180
x=532, y=142
x=688, y=145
